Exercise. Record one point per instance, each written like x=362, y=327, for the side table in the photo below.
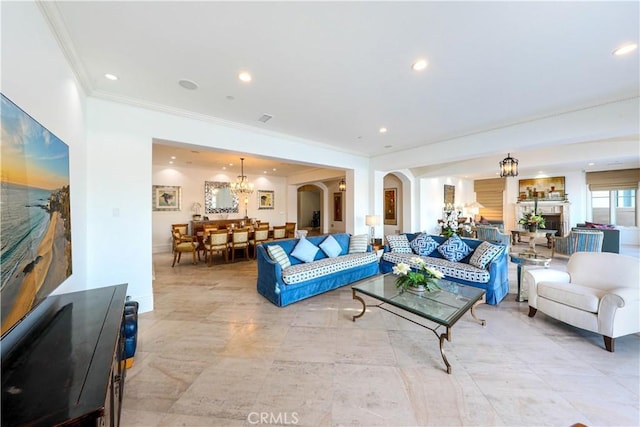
x=526, y=258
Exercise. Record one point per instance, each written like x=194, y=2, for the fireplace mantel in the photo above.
x=561, y=207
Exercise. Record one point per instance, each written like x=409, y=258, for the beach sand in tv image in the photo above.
x=35, y=229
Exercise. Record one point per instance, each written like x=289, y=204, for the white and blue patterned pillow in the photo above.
x=399, y=243
x=484, y=254
x=454, y=249
x=331, y=247
x=279, y=255
x=358, y=243
x=305, y=250
x=423, y=245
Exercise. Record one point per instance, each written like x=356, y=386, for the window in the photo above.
x=614, y=207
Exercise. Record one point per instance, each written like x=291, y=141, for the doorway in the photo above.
x=310, y=209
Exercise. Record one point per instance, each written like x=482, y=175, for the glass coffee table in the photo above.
x=443, y=307
x=526, y=258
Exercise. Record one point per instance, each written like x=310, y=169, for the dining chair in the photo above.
x=216, y=242
x=290, y=228
x=279, y=232
x=182, y=228
x=181, y=244
x=261, y=234
x=239, y=240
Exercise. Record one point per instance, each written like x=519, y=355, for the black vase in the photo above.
x=533, y=228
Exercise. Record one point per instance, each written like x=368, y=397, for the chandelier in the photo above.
x=508, y=166
x=242, y=186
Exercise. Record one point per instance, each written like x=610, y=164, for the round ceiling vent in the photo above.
x=188, y=84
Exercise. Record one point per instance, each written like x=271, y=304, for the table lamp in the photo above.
x=372, y=221
x=474, y=209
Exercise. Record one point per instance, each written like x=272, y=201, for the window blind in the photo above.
x=489, y=194
x=623, y=179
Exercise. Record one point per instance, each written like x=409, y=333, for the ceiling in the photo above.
x=336, y=72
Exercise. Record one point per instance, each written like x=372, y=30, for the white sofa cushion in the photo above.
x=279, y=255
x=322, y=267
x=459, y=270
x=571, y=294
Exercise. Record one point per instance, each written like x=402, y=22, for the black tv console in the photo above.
x=61, y=365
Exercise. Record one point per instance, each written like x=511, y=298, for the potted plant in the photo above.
x=426, y=279
x=532, y=221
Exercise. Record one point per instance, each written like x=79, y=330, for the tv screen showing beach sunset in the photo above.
x=35, y=229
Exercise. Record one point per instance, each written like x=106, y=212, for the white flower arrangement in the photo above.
x=426, y=276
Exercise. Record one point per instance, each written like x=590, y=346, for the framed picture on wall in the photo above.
x=337, y=206
x=390, y=208
x=167, y=198
x=449, y=195
x=265, y=199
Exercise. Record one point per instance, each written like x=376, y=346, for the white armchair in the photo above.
x=599, y=292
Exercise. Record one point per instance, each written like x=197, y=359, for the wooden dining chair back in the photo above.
x=290, y=228
x=260, y=235
x=216, y=242
x=279, y=232
x=239, y=240
x=183, y=243
x=182, y=228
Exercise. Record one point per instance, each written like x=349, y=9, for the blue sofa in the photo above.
x=494, y=280
x=308, y=279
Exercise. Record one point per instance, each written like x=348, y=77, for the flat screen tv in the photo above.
x=35, y=230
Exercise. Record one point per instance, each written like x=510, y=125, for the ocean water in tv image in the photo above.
x=35, y=214
x=24, y=220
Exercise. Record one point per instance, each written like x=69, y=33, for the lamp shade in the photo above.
x=372, y=220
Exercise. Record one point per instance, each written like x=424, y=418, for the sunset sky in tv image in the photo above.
x=31, y=155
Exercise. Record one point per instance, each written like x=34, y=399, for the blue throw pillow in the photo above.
x=454, y=249
x=423, y=245
x=331, y=247
x=305, y=250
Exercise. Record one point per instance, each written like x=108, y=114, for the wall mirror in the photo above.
x=218, y=198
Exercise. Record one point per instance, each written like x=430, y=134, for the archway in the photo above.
x=310, y=208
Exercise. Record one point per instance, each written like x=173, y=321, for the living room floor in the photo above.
x=216, y=353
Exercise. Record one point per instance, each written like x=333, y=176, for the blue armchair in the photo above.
x=578, y=241
x=492, y=234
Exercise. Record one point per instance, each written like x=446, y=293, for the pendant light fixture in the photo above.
x=342, y=186
x=508, y=166
x=242, y=186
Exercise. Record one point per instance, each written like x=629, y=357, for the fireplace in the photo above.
x=554, y=222
x=555, y=213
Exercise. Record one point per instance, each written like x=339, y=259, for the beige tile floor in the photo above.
x=214, y=352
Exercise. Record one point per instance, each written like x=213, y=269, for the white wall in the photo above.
x=191, y=180
x=432, y=196
x=37, y=78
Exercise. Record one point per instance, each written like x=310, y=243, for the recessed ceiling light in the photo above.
x=264, y=172
x=188, y=84
x=383, y=130
x=274, y=169
x=224, y=168
x=170, y=162
x=591, y=164
x=419, y=65
x=244, y=76
x=173, y=157
x=111, y=76
x=626, y=48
